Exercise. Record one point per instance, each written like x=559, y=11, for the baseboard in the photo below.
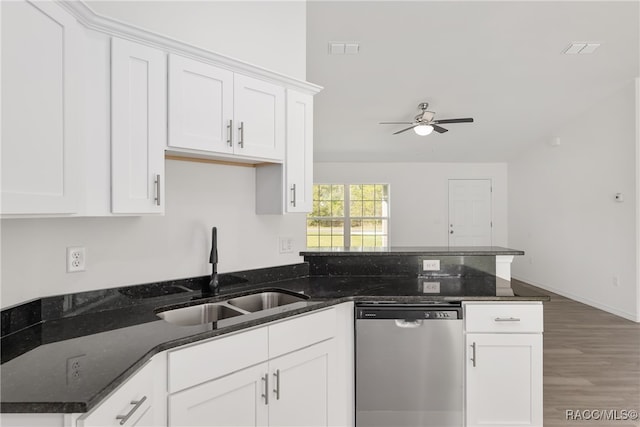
x=624, y=314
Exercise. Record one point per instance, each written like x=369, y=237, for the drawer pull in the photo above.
x=507, y=319
x=124, y=418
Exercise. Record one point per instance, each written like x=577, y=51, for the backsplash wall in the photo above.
x=131, y=250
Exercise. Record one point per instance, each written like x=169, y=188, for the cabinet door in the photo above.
x=138, y=127
x=235, y=400
x=299, y=160
x=40, y=151
x=259, y=114
x=300, y=387
x=200, y=106
x=504, y=379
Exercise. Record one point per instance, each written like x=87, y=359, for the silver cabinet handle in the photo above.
x=506, y=319
x=293, y=195
x=266, y=388
x=157, y=183
x=230, y=133
x=473, y=354
x=276, y=390
x=124, y=418
x=241, y=135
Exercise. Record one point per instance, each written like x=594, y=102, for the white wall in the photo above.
x=132, y=250
x=562, y=210
x=419, y=195
x=127, y=251
x=270, y=34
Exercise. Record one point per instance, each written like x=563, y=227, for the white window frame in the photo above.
x=347, y=210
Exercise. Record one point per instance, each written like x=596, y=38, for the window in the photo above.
x=355, y=215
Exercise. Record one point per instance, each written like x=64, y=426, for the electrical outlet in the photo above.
x=431, y=265
x=75, y=369
x=615, y=281
x=286, y=245
x=76, y=259
x=430, y=287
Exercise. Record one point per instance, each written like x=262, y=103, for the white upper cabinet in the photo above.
x=213, y=110
x=288, y=188
x=299, y=161
x=40, y=150
x=200, y=106
x=259, y=114
x=138, y=126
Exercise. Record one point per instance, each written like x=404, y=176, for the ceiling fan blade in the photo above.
x=404, y=130
x=439, y=129
x=444, y=121
x=395, y=123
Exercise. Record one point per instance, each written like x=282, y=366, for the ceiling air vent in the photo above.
x=344, y=48
x=581, y=48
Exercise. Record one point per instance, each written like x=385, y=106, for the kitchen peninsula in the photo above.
x=118, y=336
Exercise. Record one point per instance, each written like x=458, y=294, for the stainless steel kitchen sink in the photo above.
x=207, y=312
x=264, y=301
x=198, y=314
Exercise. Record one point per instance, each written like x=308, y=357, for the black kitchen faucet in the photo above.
x=214, y=287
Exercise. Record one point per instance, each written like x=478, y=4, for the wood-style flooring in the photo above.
x=591, y=361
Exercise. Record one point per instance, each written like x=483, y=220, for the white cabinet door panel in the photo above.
x=299, y=162
x=300, y=387
x=234, y=400
x=200, y=106
x=138, y=127
x=40, y=70
x=259, y=114
x=504, y=379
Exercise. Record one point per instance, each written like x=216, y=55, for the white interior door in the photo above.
x=470, y=221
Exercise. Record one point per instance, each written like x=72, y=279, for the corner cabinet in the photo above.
x=138, y=128
x=288, y=188
x=41, y=153
x=503, y=364
x=214, y=110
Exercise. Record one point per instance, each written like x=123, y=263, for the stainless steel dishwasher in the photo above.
x=409, y=365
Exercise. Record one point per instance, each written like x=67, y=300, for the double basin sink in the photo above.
x=212, y=312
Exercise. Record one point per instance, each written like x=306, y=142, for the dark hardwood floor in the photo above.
x=591, y=362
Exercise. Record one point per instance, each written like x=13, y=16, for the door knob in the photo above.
x=451, y=232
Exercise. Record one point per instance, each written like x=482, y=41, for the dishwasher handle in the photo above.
x=402, y=323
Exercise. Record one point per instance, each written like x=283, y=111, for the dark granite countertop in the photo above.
x=414, y=250
x=116, y=330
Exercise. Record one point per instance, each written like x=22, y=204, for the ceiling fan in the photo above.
x=423, y=124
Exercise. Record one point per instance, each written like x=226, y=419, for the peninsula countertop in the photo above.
x=414, y=251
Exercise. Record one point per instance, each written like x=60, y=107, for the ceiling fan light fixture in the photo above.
x=423, y=130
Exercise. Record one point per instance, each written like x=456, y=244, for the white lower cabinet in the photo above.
x=138, y=402
x=298, y=386
x=503, y=364
x=287, y=391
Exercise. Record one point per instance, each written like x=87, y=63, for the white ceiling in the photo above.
x=499, y=62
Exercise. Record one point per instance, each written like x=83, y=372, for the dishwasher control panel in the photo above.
x=409, y=312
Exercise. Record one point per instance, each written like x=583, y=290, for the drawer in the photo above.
x=508, y=317
x=133, y=400
x=299, y=332
x=212, y=359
